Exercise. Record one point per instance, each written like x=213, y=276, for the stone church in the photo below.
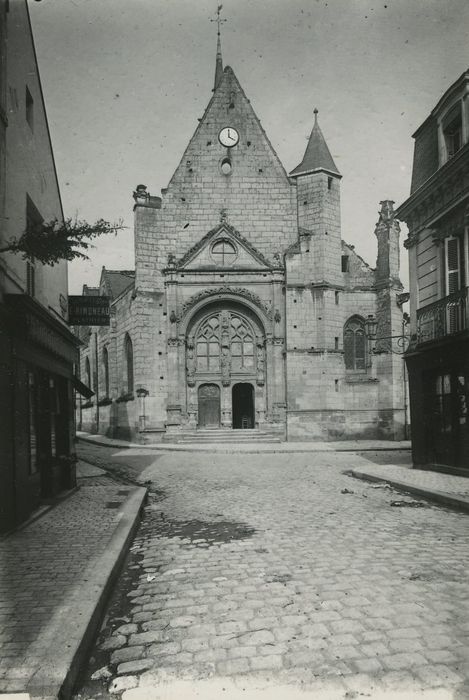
x=246, y=310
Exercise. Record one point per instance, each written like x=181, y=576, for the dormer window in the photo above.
x=452, y=131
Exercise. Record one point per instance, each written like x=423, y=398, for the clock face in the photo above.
x=228, y=137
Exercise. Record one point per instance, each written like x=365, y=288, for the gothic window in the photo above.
x=223, y=253
x=208, y=346
x=106, y=372
x=129, y=363
x=355, y=344
x=242, y=345
x=237, y=334
x=88, y=372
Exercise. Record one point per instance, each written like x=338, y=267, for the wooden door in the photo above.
x=209, y=406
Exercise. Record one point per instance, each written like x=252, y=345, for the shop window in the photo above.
x=53, y=411
x=106, y=372
x=129, y=363
x=32, y=411
x=355, y=344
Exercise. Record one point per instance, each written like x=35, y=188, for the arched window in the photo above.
x=214, y=341
x=129, y=362
x=106, y=372
x=355, y=344
x=242, y=344
x=208, y=345
x=88, y=372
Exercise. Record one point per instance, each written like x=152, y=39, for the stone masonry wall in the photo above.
x=257, y=198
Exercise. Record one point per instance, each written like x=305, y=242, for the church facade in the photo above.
x=246, y=309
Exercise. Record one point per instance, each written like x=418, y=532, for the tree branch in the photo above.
x=54, y=241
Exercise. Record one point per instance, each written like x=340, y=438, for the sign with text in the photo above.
x=88, y=311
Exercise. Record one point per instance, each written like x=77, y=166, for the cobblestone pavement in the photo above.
x=283, y=571
x=42, y=567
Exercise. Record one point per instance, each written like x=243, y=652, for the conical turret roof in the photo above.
x=317, y=155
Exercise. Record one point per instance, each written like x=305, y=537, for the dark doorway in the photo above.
x=243, y=406
x=209, y=406
x=446, y=414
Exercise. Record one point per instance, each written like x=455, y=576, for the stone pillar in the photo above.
x=226, y=405
x=389, y=360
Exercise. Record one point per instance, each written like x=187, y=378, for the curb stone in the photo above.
x=66, y=648
x=460, y=503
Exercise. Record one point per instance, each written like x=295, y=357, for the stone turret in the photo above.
x=387, y=232
x=318, y=201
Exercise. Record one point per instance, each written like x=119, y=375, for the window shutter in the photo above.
x=453, y=264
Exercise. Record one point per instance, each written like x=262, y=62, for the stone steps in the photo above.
x=223, y=435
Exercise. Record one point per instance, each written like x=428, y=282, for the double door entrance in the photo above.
x=242, y=406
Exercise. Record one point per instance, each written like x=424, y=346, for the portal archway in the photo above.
x=243, y=409
x=225, y=347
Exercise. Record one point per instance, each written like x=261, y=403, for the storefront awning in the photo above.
x=82, y=388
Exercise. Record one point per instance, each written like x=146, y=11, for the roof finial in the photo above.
x=219, y=61
x=316, y=112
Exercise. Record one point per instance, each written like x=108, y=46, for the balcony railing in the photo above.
x=443, y=317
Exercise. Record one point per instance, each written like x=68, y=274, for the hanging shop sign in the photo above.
x=88, y=311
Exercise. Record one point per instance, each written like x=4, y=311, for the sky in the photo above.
x=126, y=80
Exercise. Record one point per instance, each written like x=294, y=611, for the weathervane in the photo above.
x=219, y=20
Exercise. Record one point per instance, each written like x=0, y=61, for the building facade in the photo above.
x=436, y=214
x=247, y=310
x=37, y=350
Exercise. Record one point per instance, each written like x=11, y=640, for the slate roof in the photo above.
x=317, y=155
x=117, y=281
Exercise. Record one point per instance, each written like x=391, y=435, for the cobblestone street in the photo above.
x=282, y=570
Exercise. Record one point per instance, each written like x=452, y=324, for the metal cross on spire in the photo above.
x=218, y=19
x=219, y=61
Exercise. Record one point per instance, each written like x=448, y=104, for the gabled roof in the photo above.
x=317, y=155
x=116, y=282
x=228, y=84
x=230, y=232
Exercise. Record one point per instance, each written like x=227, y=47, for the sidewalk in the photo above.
x=252, y=448
x=444, y=489
x=55, y=575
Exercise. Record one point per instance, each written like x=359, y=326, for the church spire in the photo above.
x=219, y=60
x=317, y=155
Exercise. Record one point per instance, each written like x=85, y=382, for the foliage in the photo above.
x=56, y=240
